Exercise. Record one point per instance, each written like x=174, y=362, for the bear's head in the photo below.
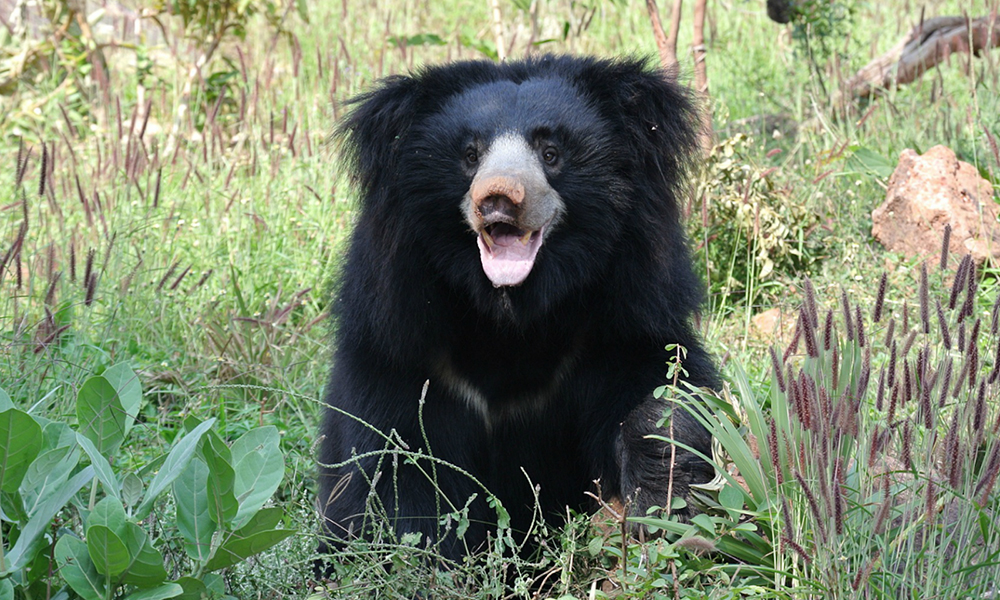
x=524, y=184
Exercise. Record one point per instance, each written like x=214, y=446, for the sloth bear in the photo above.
x=518, y=246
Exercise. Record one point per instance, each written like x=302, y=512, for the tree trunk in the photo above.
x=928, y=44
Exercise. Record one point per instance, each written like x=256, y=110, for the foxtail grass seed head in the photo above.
x=961, y=337
x=960, y=379
x=89, y=268
x=772, y=448
x=809, y=333
x=909, y=342
x=860, y=325
x=892, y=365
x=848, y=321
x=50, y=294
x=43, y=170
x=793, y=345
x=893, y=397
x=798, y=549
x=972, y=283
x=91, y=289
x=180, y=278
x=945, y=246
x=880, y=396
x=776, y=365
x=874, y=445
x=811, y=303
x=883, y=284
x=953, y=457
x=925, y=308
x=959, y=283
x=866, y=373
x=907, y=390
x=890, y=332
x=989, y=478
x=907, y=436
x=204, y=278
x=973, y=361
x=72, y=259
x=943, y=323
x=835, y=364
x=167, y=275
x=925, y=406
x=979, y=414
x=974, y=335
x=828, y=330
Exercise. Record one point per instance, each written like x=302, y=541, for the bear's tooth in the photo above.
x=526, y=238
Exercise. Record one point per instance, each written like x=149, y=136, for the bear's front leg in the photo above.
x=647, y=475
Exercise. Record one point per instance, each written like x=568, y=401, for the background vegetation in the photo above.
x=170, y=206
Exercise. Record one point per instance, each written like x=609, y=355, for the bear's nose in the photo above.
x=502, y=186
x=497, y=208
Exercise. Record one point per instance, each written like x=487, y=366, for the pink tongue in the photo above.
x=509, y=261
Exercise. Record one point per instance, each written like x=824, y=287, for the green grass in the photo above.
x=212, y=266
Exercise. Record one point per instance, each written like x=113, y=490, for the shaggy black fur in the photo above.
x=553, y=376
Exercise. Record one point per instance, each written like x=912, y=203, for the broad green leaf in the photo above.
x=107, y=550
x=175, y=463
x=109, y=513
x=5, y=402
x=131, y=489
x=146, y=569
x=22, y=552
x=193, y=519
x=126, y=383
x=259, y=467
x=262, y=521
x=56, y=433
x=20, y=443
x=78, y=570
x=6, y=587
x=303, y=10
x=101, y=466
x=222, y=503
x=237, y=549
x=211, y=585
x=101, y=415
x=47, y=474
x=167, y=590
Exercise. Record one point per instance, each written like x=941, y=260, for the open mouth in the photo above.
x=508, y=252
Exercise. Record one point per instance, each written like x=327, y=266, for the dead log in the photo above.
x=931, y=42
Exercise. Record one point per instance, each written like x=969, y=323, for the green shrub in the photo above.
x=114, y=547
x=748, y=229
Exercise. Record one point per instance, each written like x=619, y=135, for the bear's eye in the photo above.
x=471, y=156
x=550, y=155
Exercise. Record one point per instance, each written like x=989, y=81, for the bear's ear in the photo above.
x=370, y=136
x=657, y=115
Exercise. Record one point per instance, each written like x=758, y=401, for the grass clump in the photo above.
x=873, y=462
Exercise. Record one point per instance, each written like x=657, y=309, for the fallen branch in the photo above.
x=928, y=44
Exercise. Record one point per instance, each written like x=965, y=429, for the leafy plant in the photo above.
x=749, y=230
x=102, y=549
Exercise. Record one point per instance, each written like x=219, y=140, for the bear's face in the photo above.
x=522, y=180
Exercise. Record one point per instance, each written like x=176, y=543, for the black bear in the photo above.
x=518, y=245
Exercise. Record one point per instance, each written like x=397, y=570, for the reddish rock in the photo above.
x=930, y=191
